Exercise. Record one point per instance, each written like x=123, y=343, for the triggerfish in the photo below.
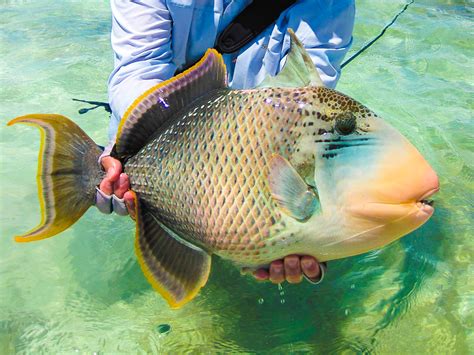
x=289, y=167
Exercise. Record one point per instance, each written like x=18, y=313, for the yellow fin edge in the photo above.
x=162, y=84
x=25, y=120
x=172, y=302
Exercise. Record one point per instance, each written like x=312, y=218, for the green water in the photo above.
x=83, y=291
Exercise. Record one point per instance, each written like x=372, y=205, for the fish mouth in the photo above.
x=421, y=207
x=425, y=203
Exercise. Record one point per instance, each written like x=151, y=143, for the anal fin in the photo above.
x=175, y=268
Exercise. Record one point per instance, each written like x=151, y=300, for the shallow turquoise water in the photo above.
x=83, y=291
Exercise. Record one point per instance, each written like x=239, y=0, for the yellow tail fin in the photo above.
x=68, y=173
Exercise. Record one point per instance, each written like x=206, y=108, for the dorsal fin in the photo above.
x=157, y=105
x=299, y=69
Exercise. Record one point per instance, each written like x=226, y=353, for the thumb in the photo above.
x=112, y=167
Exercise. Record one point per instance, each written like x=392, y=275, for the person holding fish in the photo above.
x=153, y=40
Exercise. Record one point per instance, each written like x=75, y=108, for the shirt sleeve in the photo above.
x=323, y=26
x=141, y=41
x=325, y=29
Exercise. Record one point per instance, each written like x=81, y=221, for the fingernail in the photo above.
x=260, y=274
x=292, y=262
x=307, y=263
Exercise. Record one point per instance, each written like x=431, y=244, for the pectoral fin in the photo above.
x=175, y=268
x=290, y=191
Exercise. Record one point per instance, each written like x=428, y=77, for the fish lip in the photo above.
x=428, y=194
x=425, y=207
x=424, y=203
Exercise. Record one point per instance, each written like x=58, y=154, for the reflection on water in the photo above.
x=83, y=291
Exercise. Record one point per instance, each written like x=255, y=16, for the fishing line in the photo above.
x=373, y=40
x=106, y=106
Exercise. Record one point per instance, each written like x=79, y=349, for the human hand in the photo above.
x=292, y=269
x=115, y=186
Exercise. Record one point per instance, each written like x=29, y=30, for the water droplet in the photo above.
x=346, y=311
x=163, y=328
x=281, y=293
x=280, y=288
x=260, y=301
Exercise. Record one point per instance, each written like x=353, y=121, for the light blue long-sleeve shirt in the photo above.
x=152, y=39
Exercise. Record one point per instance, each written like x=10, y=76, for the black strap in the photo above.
x=249, y=23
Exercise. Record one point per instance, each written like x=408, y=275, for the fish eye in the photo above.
x=345, y=123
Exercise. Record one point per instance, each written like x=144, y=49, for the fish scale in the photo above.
x=211, y=184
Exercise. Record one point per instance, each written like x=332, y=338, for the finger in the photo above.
x=106, y=186
x=310, y=267
x=261, y=274
x=129, y=198
x=292, y=269
x=277, y=272
x=112, y=167
x=121, y=186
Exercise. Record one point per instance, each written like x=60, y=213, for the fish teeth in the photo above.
x=428, y=202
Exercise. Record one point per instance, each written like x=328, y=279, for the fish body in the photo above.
x=252, y=175
x=206, y=175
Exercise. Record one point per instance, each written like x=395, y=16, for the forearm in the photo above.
x=141, y=41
